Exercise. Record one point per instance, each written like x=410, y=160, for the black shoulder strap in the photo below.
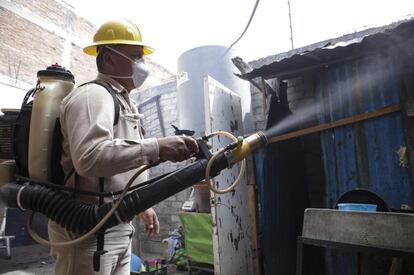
x=111, y=91
x=100, y=244
x=117, y=105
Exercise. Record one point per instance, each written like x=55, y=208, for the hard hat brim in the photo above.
x=91, y=49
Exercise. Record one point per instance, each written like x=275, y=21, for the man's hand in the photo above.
x=177, y=148
x=150, y=219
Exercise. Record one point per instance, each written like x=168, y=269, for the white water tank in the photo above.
x=193, y=65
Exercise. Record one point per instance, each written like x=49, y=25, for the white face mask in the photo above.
x=140, y=71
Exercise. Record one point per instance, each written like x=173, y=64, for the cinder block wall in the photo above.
x=167, y=210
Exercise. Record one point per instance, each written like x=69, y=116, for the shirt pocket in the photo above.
x=129, y=127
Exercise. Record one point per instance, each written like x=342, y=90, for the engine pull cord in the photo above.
x=209, y=181
x=98, y=226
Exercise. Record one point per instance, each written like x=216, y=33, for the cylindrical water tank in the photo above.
x=193, y=65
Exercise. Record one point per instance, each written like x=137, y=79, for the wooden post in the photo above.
x=252, y=210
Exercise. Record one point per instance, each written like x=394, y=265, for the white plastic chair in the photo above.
x=3, y=238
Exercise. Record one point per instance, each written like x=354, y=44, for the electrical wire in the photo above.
x=245, y=29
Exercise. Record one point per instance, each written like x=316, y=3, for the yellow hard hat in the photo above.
x=119, y=31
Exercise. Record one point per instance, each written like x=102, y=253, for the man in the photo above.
x=96, y=148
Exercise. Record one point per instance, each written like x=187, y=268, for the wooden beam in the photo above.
x=342, y=122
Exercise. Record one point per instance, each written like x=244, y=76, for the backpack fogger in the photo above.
x=38, y=185
x=36, y=153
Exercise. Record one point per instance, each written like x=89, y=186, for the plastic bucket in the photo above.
x=364, y=207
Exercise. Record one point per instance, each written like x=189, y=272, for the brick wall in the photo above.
x=82, y=66
x=38, y=33
x=49, y=10
x=257, y=101
x=25, y=47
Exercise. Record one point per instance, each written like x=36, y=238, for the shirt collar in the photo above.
x=115, y=84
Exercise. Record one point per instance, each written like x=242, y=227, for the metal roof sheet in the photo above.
x=327, y=52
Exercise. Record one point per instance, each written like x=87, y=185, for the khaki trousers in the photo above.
x=78, y=259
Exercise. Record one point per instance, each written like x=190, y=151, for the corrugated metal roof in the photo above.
x=328, y=52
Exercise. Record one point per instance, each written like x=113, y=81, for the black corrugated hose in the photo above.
x=79, y=217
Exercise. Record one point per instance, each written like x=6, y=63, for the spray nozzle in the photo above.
x=245, y=146
x=234, y=144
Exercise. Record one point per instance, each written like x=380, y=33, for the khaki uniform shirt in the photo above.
x=97, y=148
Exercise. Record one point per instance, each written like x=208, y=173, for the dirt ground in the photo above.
x=30, y=259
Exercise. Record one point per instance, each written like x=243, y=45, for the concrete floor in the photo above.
x=35, y=260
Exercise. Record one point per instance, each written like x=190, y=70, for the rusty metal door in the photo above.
x=232, y=240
